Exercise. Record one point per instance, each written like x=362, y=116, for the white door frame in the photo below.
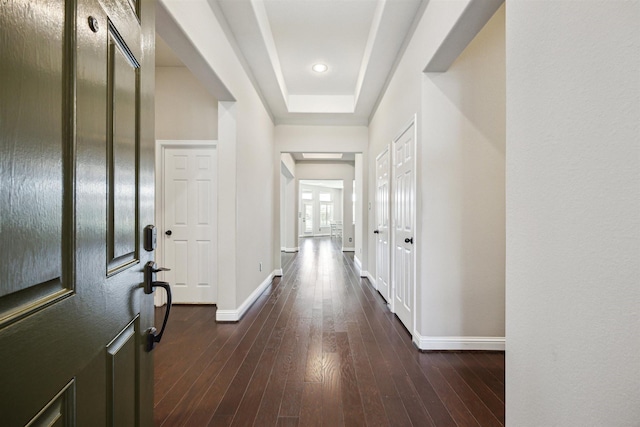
x=161, y=146
x=413, y=122
x=389, y=296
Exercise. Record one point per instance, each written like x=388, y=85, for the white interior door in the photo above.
x=189, y=223
x=382, y=224
x=403, y=226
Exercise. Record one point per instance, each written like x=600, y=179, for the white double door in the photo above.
x=189, y=224
x=395, y=220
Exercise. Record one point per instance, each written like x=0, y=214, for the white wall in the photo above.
x=344, y=171
x=573, y=213
x=359, y=209
x=249, y=173
x=283, y=203
x=289, y=163
x=323, y=139
x=185, y=110
x=288, y=205
x=462, y=192
x=460, y=199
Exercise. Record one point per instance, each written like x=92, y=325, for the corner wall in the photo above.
x=460, y=177
x=463, y=191
x=249, y=172
x=289, y=205
x=573, y=213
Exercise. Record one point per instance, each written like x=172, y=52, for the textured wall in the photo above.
x=573, y=213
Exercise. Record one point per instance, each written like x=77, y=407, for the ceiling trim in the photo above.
x=373, y=32
x=260, y=12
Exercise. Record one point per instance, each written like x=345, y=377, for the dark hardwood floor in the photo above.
x=318, y=348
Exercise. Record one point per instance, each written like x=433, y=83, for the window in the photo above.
x=308, y=217
x=326, y=214
x=307, y=195
x=325, y=197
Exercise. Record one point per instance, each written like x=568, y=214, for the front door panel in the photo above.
x=33, y=184
x=122, y=94
x=76, y=170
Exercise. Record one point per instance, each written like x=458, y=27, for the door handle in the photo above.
x=376, y=231
x=150, y=270
x=168, y=232
x=409, y=240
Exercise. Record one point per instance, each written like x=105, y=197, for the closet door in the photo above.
x=404, y=256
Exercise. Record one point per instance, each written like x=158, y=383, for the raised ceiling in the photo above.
x=280, y=40
x=323, y=157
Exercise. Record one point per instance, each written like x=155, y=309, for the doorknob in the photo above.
x=409, y=240
x=168, y=232
x=150, y=269
x=376, y=231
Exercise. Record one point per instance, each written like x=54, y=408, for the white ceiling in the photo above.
x=359, y=40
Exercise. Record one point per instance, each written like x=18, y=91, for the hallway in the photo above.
x=319, y=347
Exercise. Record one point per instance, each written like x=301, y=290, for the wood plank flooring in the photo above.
x=318, y=348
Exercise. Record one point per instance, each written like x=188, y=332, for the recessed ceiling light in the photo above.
x=319, y=68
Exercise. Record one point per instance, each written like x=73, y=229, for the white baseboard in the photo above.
x=357, y=262
x=278, y=272
x=289, y=250
x=344, y=249
x=363, y=273
x=236, y=315
x=371, y=279
x=459, y=343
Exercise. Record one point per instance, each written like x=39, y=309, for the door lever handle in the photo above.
x=376, y=231
x=150, y=269
x=409, y=240
x=153, y=336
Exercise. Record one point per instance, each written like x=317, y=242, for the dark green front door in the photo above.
x=76, y=192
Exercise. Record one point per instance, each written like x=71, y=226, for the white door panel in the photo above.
x=382, y=225
x=404, y=227
x=190, y=224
